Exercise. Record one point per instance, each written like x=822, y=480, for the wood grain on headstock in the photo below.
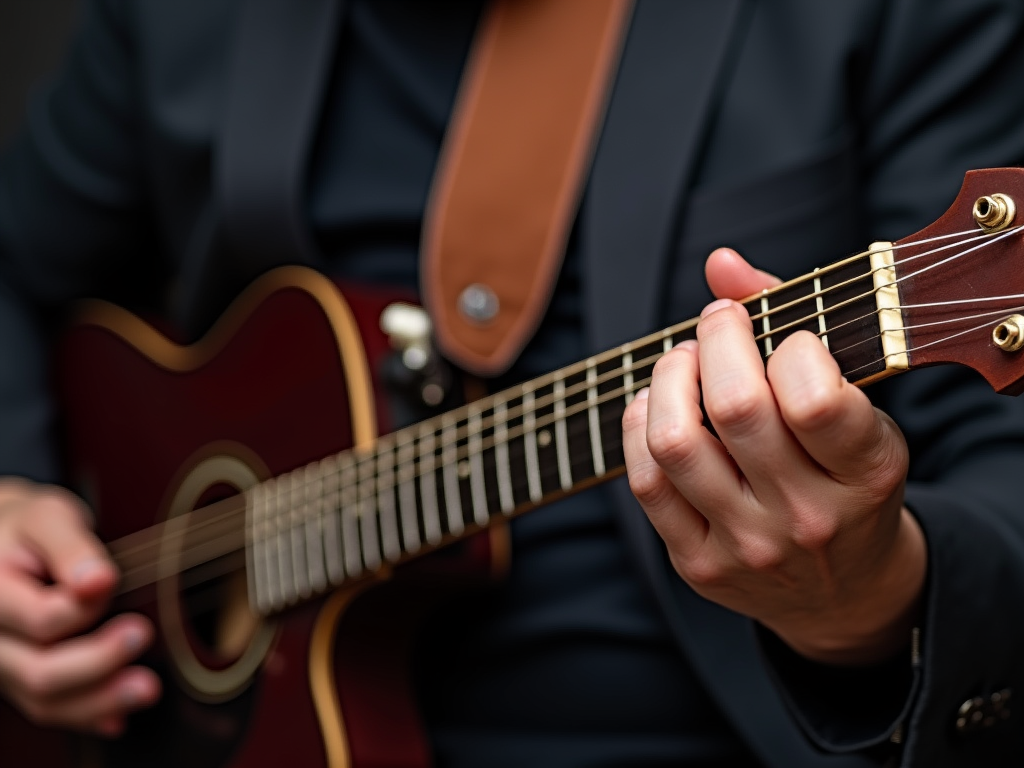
x=950, y=309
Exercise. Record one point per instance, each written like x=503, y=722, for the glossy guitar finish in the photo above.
x=284, y=381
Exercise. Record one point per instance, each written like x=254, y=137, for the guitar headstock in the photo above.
x=961, y=281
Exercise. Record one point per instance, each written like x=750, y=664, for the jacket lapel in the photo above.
x=664, y=97
x=279, y=67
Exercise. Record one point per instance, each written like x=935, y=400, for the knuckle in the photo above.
x=814, y=532
x=648, y=484
x=702, y=573
x=814, y=407
x=759, y=554
x=735, y=407
x=670, y=442
x=42, y=626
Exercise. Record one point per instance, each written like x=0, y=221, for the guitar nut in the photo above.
x=1009, y=334
x=994, y=213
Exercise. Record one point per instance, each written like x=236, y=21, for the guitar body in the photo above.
x=155, y=430
x=163, y=439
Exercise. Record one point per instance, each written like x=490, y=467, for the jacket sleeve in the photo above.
x=940, y=98
x=72, y=214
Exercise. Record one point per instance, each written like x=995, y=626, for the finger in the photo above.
x=53, y=671
x=739, y=399
x=30, y=609
x=730, y=276
x=102, y=708
x=660, y=440
x=58, y=531
x=833, y=420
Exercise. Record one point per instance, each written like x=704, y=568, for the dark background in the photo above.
x=33, y=34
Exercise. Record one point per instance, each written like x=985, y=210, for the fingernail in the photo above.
x=133, y=639
x=130, y=695
x=714, y=306
x=643, y=394
x=87, y=569
x=134, y=693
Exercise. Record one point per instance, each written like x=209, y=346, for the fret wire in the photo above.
x=331, y=507
x=501, y=459
x=367, y=516
x=407, y=496
x=428, y=487
x=561, y=441
x=904, y=245
x=820, y=306
x=312, y=504
x=865, y=256
x=609, y=396
x=349, y=492
x=896, y=247
x=627, y=377
x=828, y=310
x=530, y=436
x=450, y=478
x=260, y=592
x=593, y=417
x=297, y=534
x=476, y=468
x=268, y=485
x=386, y=502
x=766, y=327
x=987, y=240
x=282, y=547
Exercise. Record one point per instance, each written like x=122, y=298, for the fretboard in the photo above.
x=352, y=514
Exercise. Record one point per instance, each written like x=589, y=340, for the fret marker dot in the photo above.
x=544, y=438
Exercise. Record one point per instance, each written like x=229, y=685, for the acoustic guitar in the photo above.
x=263, y=524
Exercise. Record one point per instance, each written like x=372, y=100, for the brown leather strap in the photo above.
x=512, y=170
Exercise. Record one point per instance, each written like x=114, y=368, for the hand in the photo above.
x=793, y=515
x=55, y=581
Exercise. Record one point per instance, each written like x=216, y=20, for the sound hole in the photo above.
x=214, y=602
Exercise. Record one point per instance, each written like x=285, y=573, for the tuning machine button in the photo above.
x=1009, y=334
x=420, y=370
x=994, y=213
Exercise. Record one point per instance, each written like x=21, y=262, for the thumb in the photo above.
x=730, y=276
x=57, y=528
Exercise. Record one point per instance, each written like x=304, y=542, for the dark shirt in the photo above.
x=568, y=661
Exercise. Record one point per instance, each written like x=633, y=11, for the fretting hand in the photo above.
x=793, y=515
x=55, y=581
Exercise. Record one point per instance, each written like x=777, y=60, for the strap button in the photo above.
x=478, y=303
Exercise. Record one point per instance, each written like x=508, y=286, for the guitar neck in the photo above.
x=346, y=517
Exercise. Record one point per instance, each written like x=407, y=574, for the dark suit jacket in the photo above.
x=795, y=130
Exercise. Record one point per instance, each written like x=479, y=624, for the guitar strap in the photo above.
x=512, y=170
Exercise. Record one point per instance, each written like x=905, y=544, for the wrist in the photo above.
x=879, y=621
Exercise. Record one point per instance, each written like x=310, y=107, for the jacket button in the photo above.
x=983, y=712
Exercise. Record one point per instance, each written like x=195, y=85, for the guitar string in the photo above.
x=871, y=272
x=918, y=326
x=584, y=406
x=178, y=557
x=405, y=437
x=874, y=290
x=612, y=375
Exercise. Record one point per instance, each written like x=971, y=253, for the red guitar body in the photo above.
x=285, y=378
